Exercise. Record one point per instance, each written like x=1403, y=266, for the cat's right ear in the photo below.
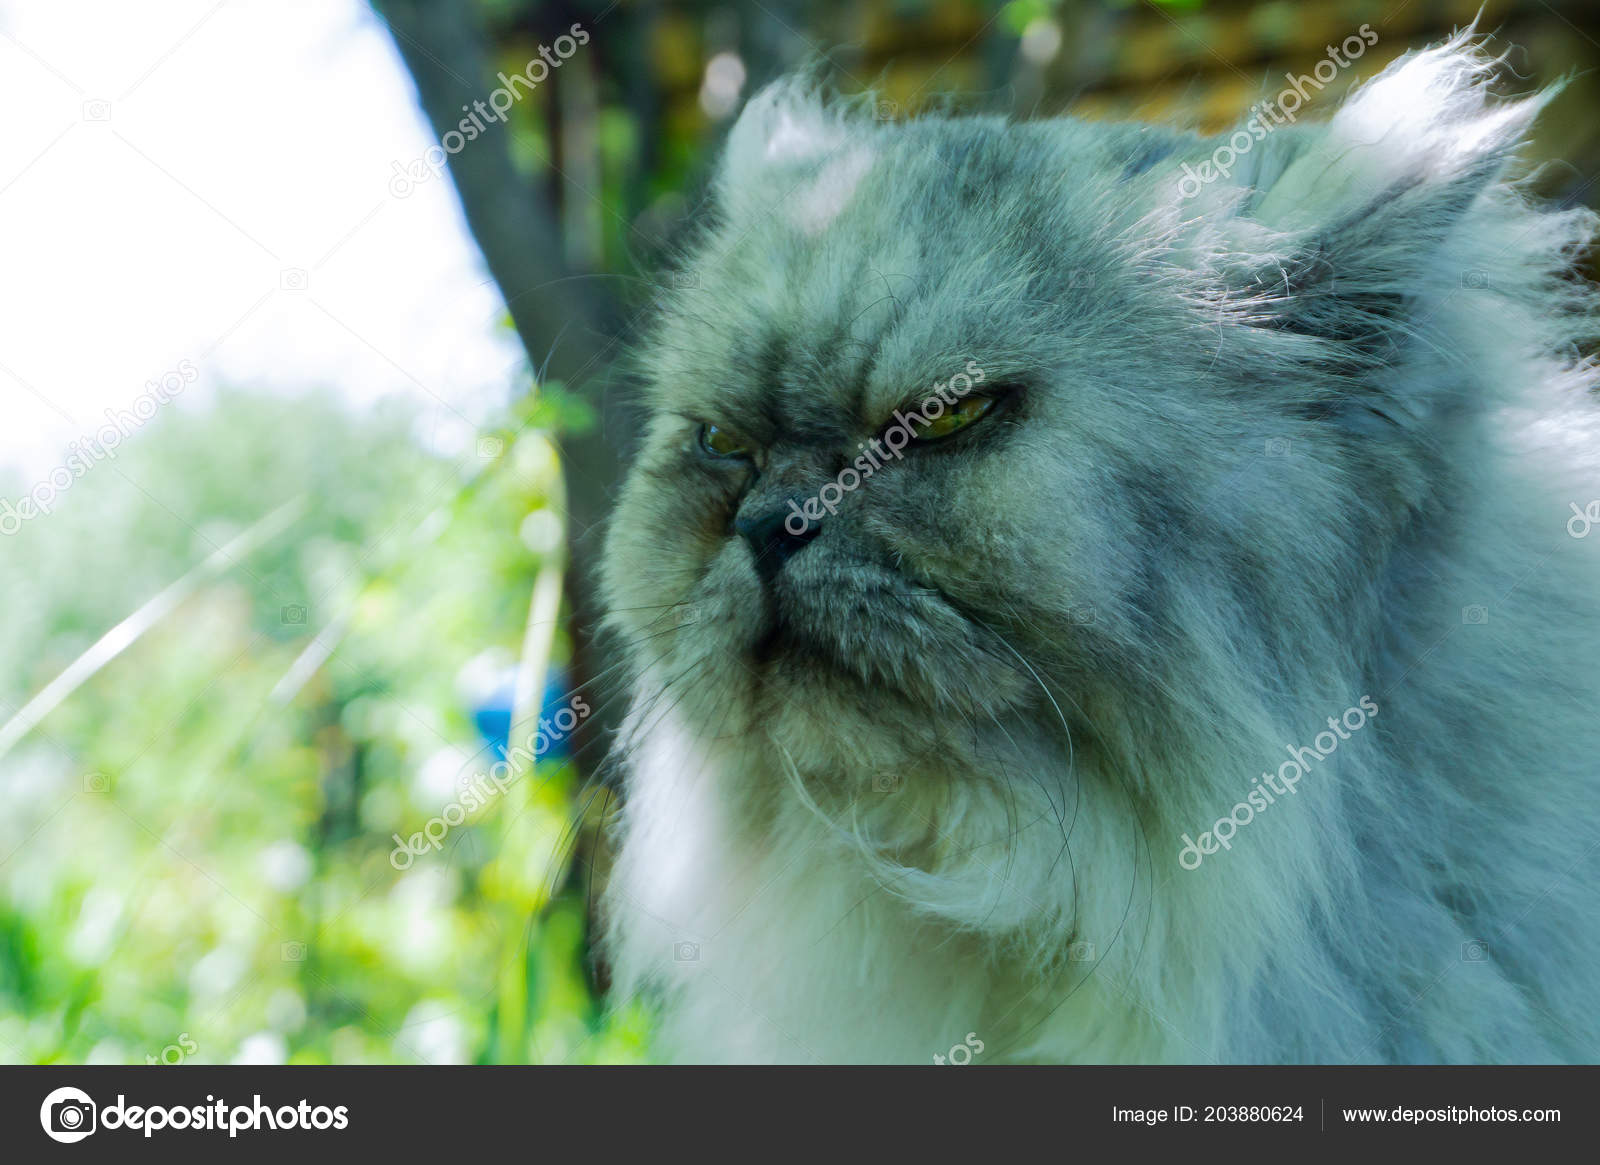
x=796, y=151
x=1339, y=233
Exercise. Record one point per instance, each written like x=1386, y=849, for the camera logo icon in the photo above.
x=686, y=280
x=1475, y=951
x=293, y=615
x=1475, y=615
x=1475, y=280
x=685, y=952
x=294, y=279
x=67, y=1115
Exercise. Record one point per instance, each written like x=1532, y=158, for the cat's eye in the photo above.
x=955, y=418
x=719, y=442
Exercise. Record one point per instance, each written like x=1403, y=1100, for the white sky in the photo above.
x=245, y=139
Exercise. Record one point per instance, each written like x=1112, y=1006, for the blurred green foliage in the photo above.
x=194, y=853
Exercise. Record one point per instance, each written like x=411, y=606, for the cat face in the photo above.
x=872, y=460
x=1152, y=407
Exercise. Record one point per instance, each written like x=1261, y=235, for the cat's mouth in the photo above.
x=769, y=645
x=868, y=625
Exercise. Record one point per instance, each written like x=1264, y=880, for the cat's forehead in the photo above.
x=834, y=344
x=932, y=255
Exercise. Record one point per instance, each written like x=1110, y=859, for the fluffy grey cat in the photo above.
x=1085, y=606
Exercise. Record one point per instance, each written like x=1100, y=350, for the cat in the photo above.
x=1023, y=509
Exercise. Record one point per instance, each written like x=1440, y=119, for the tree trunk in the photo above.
x=567, y=321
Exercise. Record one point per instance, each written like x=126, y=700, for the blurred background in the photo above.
x=309, y=356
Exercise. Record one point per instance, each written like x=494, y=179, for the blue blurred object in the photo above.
x=491, y=713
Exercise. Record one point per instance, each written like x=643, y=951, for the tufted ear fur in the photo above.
x=1346, y=239
x=795, y=152
x=1413, y=147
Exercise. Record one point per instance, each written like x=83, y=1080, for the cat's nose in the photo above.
x=776, y=532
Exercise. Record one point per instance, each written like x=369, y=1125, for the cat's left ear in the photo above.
x=1334, y=231
x=795, y=151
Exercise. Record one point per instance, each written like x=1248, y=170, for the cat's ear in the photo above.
x=1333, y=231
x=1426, y=130
x=795, y=150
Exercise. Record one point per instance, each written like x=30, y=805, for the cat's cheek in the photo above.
x=732, y=613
